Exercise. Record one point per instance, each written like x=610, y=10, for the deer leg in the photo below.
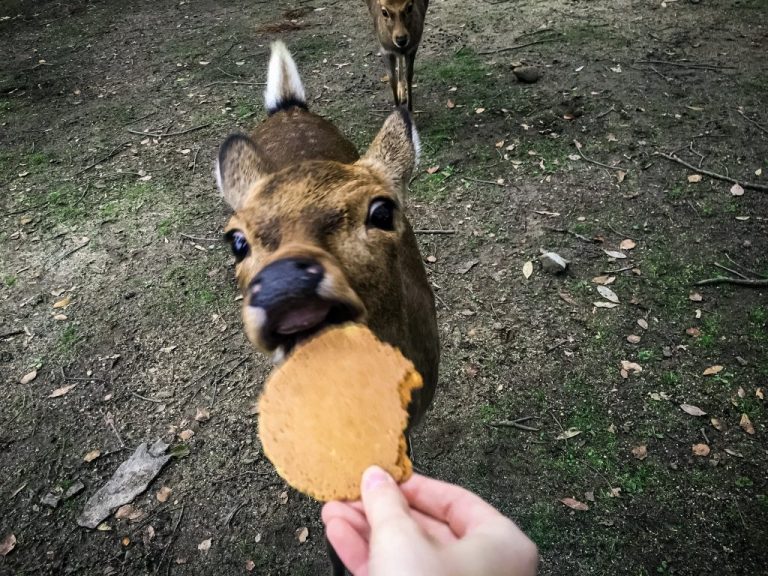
x=409, y=59
x=393, y=76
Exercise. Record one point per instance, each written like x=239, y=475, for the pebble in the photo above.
x=527, y=74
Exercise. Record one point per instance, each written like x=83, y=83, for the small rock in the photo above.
x=51, y=500
x=553, y=263
x=527, y=74
x=74, y=490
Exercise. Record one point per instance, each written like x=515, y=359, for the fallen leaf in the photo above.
x=125, y=541
x=640, y=452
x=302, y=534
x=59, y=317
x=570, y=433
x=608, y=294
x=433, y=169
x=615, y=254
x=163, y=494
x=746, y=424
x=627, y=244
x=692, y=410
x=604, y=280
x=91, y=456
x=205, y=545
x=734, y=453
x=450, y=104
x=104, y=527
x=126, y=511
x=168, y=349
x=63, y=303
x=611, y=137
x=759, y=172
x=604, y=304
x=712, y=370
x=695, y=297
x=633, y=339
x=567, y=298
x=250, y=565
x=528, y=269
x=202, y=415
x=760, y=394
x=700, y=450
x=694, y=178
x=185, y=435
x=642, y=323
x=479, y=110
x=574, y=504
x=61, y=391
x=431, y=259
x=283, y=497
x=737, y=190
x=28, y=377
x=716, y=424
x=8, y=544
x=693, y=331
x=633, y=367
x=697, y=314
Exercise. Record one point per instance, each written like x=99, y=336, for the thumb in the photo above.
x=384, y=504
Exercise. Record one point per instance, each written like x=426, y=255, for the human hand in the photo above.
x=425, y=527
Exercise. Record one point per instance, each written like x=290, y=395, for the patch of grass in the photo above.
x=542, y=525
x=10, y=280
x=164, y=227
x=676, y=192
x=187, y=290
x=553, y=152
x=710, y=330
x=66, y=344
x=63, y=205
x=670, y=278
x=646, y=355
x=433, y=187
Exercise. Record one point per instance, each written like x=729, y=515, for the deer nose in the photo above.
x=285, y=280
x=401, y=41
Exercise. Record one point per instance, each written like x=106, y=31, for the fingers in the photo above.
x=351, y=547
x=351, y=514
x=460, y=509
x=383, y=502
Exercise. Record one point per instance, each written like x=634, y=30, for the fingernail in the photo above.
x=374, y=477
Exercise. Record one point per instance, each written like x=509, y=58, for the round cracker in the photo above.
x=336, y=406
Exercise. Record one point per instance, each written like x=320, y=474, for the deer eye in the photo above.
x=239, y=245
x=381, y=214
x=385, y=13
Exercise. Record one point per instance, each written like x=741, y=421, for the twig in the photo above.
x=224, y=377
x=714, y=175
x=732, y=261
x=703, y=433
x=734, y=272
x=110, y=420
x=235, y=82
x=557, y=345
x=578, y=148
x=433, y=231
x=107, y=157
x=481, y=181
x=70, y=252
x=517, y=46
x=752, y=121
x=179, y=133
x=11, y=333
x=630, y=267
x=194, y=160
x=736, y=504
x=758, y=283
x=437, y=297
x=574, y=234
x=516, y=423
x=172, y=538
x=612, y=229
x=147, y=399
x=686, y=65
x=611, y=109
x=198, y=239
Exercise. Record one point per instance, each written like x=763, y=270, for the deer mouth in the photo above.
x=298, y=320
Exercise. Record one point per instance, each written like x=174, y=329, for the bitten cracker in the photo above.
x=336, y=406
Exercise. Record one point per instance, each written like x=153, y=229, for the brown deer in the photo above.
x=399, y=25
x=320, y=235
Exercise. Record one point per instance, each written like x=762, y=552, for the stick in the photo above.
x=107, y=157
x=179, y=133
x=516, y=423
x=556, y=345
x=716, y=176
x=435, y=231
x=69, y=253
x=198, y=239
x=194, y=160
x=732, y=261
x=759, y=283
x=686, y=65
x=612, y=229
x=147, y=399
x=518, y=46
x=574, y=234
x=621, y=269
x=235, y=82
x=481, y=181
x=11, y=333
x=611, y=109
x=752, y=121
x=734, y=272
x=578, y=148
x=173, y=535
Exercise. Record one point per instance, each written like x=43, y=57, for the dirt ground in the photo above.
x=117, y=289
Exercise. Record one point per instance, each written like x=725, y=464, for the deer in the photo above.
x=319, y=233
x=398, y=25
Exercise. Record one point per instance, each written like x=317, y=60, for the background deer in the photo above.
x=399, y=25
x=320, y=235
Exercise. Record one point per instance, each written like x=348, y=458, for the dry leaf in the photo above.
x=479, y=110
x=204, y=546
x=620, y=175
x=202, y=415
x=692, y=410
x=250, y=565
x=737, y=190
x=760, y=394
x=91, y=456
x=125, y=541
x=604, y=304
x=615, y=254
x=633, y=339
x=61, y=391
x=63, y=303
x=433, y=169
x=8, y=544
x=574, y=504
x=716, y=424
x=695, y=297
x=608, y=294
x=627, y=244
x=694, y=178
x=450, y=104
x=567, y=298
x=528, y=269
x=185, y=435
x=734, y=453
x=697, y=314
x=746, y=424
x=741, y=393
x=163, y=494
x=633, y=367
x=604, y=280
x=570, y=433
x=642, y=323
x=128, y=512
x=640, y=452
x=28, y=377
x=302, y=534
x=59, y=317
x=700, y=450
x=712, y=370
x=283, y=497
x=693, y=331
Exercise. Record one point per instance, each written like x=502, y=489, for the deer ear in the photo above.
x=395, y=150
x=240, y=165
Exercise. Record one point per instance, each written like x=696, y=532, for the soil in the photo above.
x=125, y=228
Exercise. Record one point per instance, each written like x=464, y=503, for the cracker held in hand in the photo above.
x=336, y=406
